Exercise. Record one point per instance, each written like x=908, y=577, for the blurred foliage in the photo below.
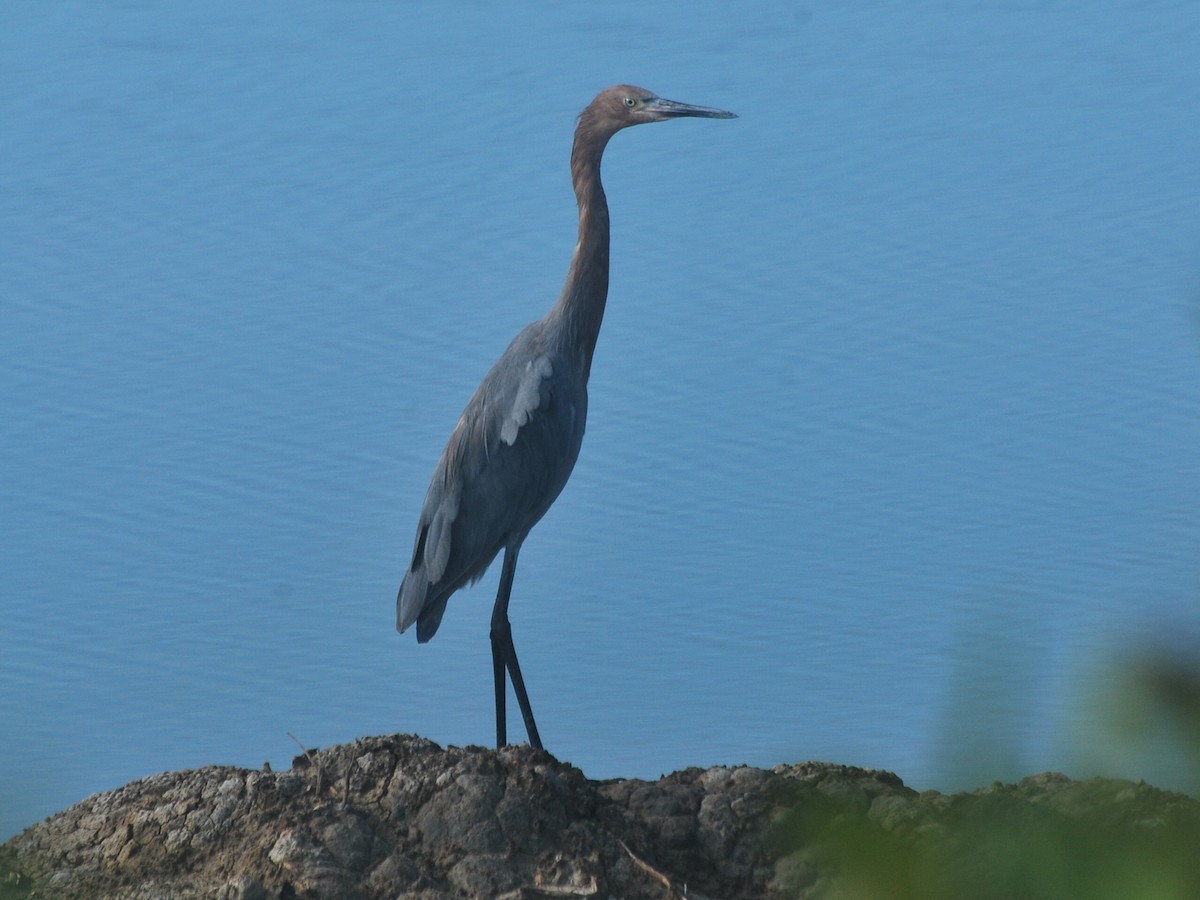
x=1003, y=843
x=12, y=883
x=1045, y=837
x=1159, y=697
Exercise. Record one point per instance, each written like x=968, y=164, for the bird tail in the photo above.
x=419, y=600
x=413, y=604
x=410, y=599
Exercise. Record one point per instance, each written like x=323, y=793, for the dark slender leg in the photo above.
x=501, y=690
x=514, y=672
x=504, y=656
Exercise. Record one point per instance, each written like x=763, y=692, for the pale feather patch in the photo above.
x=529, y=396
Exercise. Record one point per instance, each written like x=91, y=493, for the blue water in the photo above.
x=893, y=433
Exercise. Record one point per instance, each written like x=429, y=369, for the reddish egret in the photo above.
x=516, y=443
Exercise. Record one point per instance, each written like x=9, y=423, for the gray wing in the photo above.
x=507, y=459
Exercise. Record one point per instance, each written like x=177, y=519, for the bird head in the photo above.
x=623, y=105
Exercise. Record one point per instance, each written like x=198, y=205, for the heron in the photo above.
x=516, y=442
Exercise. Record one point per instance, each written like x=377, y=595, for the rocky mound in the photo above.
x=399, y=816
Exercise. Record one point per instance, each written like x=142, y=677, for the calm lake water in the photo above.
x=893, y=433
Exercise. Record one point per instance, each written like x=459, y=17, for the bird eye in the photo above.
x=630, y=102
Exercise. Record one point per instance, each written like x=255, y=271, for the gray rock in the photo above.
x=399, y=816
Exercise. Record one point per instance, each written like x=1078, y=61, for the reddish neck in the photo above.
x=580, y=307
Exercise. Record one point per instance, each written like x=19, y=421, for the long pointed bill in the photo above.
x=671, y=109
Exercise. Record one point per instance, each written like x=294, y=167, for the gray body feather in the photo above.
x=506, y=462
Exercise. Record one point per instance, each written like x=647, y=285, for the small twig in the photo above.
x=650, y=870
x=311, y=757
x=303, y=749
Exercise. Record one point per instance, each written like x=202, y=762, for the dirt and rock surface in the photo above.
x=399, y=816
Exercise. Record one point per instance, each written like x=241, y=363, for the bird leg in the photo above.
x=504, y=657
